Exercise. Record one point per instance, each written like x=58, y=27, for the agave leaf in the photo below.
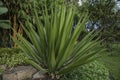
x=28, y=48
x=79, y=28
x=38, y=67
x=83, y=60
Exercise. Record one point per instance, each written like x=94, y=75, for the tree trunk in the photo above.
x=14, y=27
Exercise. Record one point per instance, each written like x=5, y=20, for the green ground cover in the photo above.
x=112, y=63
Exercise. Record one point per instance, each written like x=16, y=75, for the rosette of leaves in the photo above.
x=52, y=46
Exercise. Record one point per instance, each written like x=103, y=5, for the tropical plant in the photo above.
x=52, y=46
x=4, y=25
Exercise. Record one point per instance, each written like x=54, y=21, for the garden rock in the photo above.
x=3, y=67
x=38, y=75
x=19, y=73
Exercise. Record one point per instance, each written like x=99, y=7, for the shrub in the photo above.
x=11, y=57
x=91, y=71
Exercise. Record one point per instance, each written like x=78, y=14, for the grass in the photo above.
x=112, y=62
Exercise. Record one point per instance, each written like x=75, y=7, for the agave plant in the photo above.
x=52, y=46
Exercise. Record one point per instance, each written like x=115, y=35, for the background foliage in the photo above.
x=105, y=16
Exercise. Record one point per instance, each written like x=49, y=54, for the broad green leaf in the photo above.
x=4, y=25
x=3, y=10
